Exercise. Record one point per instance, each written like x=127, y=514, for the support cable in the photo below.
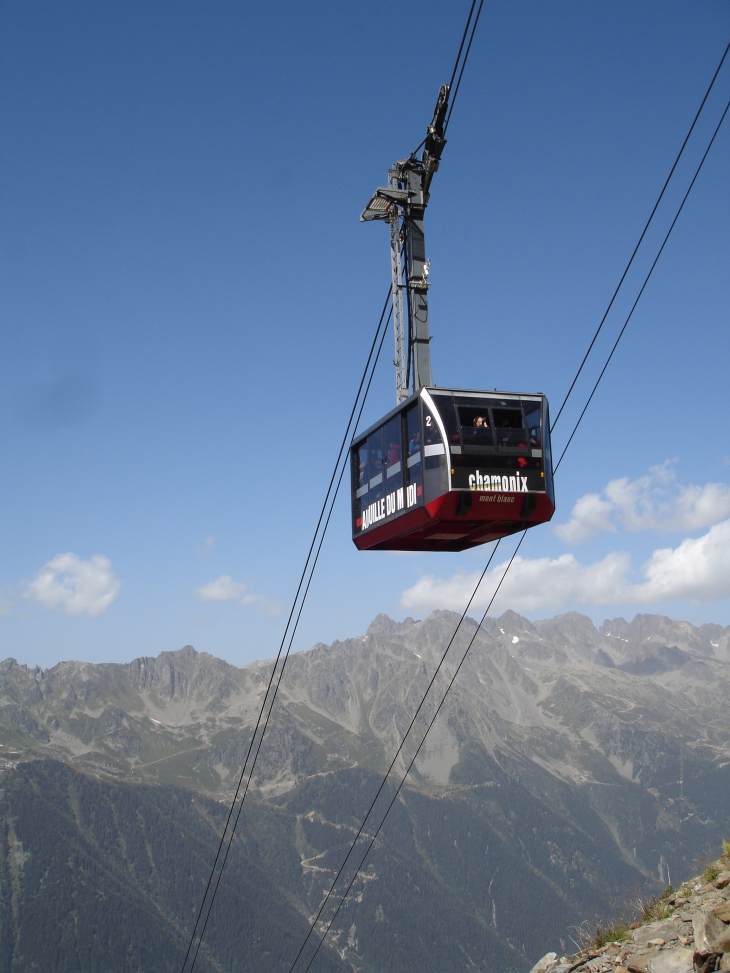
x=461, y=46
x=646, y=281
x=643, y=234
x=384, y=782
x=270, y=693
x=269, y=690
x=286, y=656
x=428, y=728
x=463, y=64
x=456, y=67
x=478, y=628
x=273, y=692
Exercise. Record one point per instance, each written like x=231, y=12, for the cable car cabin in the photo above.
x=449, y=469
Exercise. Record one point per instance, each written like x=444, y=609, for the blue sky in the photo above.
x=188, y=298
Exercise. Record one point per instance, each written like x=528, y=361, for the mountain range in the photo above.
x=568, y=766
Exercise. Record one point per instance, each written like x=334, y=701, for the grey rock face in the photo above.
x=547, y=961
x=721, y=942
x=706, y=928
x=630, y=716
x=667, y=930
x=672, y=961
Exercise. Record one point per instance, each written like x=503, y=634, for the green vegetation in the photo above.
x=711, y=873
x=99, y=876
x=658, y=907
x=107, y=875
x=611, y=934
x=725, y=850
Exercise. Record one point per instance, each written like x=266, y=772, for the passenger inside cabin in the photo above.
x=482, y=430
x=415, y=442
x=393, y=453
x=510, y=429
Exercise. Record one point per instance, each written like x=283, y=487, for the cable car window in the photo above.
x=413, y=470
x=476, y=429
x=509, y=427
x=435, y=474
x=548, y=471
x=362, y=470
x=433, y=441
x=445, y=406
x=413, y=436
x=532, y=420
x=393, y=455
x=375, y=465
x=431, y=432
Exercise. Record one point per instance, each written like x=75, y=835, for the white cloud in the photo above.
x=226, y=589
x=207, y=545
x=653, y=502
x=698, y=569
x=76, y=587
x=590, y=516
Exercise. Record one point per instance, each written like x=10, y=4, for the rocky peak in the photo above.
x=707, y=641
x=510, y=623
x=575, y=633
x=382, y=623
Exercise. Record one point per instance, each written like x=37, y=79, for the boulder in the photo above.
x=707, y=928
x=672, y=961
x=639, y=962
x=722, y=911
x=723, y=880
x=721, y=943
x=706, y=962
x=666, y=929
x=548, y=960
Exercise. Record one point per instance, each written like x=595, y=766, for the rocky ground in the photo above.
x=687, y=931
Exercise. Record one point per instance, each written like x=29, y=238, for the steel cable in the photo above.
x=463, y=65
x=456, y=68
x=269, y=691
x=296, y=597
x=643, y=234
x=646, y=281
x=428, y=728
x=461, y=46
x=372, y=838
x=329, y=494
x=385, y=779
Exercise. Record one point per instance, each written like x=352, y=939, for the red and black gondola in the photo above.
x=449, y=469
